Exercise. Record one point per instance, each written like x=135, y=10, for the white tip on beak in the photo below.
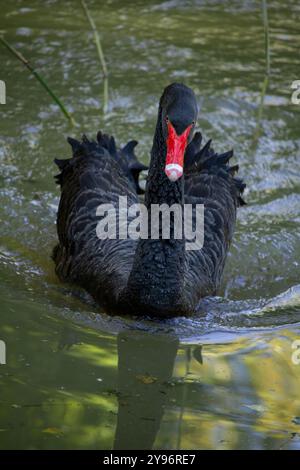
x=173, y=171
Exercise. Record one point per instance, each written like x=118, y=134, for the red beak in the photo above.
x=176, y=145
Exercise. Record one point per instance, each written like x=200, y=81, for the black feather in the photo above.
x=75, y=144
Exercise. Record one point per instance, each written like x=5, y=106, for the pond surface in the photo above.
x=76, y=378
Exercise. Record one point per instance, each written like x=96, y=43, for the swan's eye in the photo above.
x=193, y=123
x=167, y=119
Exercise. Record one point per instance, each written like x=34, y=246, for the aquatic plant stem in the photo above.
x=265, y=83
x=267, y=36
x=105, y=95
x=27, y=64
x=183, y=398
x=96, y=38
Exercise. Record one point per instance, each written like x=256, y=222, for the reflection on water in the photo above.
x=76, y=378
x=145, y=367
x=66, y=387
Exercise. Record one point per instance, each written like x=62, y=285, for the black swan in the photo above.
x=156, y=277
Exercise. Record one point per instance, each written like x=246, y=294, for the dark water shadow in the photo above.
x=145, y=365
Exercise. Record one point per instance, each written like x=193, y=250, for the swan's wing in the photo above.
x=96, y=174
x=209, y=180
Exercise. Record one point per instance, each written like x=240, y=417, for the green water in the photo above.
x=75, y=378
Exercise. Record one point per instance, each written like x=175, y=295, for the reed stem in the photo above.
x=267, y=36
x=96, y=38
x=265, y=84
x=27, y=64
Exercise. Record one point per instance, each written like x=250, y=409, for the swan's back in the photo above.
x=210, y=181
x=96, y=174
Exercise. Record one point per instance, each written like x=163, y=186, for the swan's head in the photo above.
x=178, y=107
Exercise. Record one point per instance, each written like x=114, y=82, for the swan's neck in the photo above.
x=159, y=189
x=157, y=276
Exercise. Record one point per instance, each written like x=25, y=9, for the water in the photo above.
x=76, y=378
